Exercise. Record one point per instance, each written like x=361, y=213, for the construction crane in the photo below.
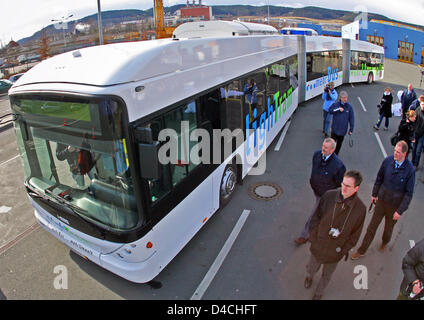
x=161, y=31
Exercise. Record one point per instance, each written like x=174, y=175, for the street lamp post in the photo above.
x=62, y=22
x=268, y=13
x=99, y=18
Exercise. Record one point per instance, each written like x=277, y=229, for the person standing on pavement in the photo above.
x=343, y=117
x=408, y=96
x=335, y=228
x=327, y=173
x=329, y=96
x=416, y=103
x=407, y=128
x=418, y=136
x=385, y=109
x=392, y=193
x=413, y=273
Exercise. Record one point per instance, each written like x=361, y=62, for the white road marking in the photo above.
x=283, y=134
x=4, y=209
x=362, y=104
x=380, y=144
x=3, y=163
x=352, y=85
x=411, y=243
x=203, y=286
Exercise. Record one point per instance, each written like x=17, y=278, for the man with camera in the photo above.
x=392, y=193
x=335, y=228
x=329, y=96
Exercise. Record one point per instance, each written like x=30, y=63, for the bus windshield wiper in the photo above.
x=76, y=212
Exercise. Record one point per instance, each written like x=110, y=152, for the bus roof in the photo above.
x=121, y=63
x=203, y=29
x=104, y=65
x=357, y=45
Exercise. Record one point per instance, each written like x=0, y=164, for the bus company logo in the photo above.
x=365, y=70
x=333, y=75
x=193, y=147
x=273, y=113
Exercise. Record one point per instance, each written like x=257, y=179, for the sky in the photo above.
x=22, y=18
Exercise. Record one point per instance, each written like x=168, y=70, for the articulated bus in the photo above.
x=110, y=136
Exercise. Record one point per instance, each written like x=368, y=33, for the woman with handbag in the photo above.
x=385, y=109
x=407, y=128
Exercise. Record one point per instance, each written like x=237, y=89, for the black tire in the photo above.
x=370, y=78
x=228, y=184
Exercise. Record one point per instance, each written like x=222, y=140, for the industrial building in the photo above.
x=401, y=42
x=196, y=11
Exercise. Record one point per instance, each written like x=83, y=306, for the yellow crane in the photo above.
x=161, y=30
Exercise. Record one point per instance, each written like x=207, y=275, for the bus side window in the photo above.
x=161, y=186
x=255, y=90
x=173, y=120
x=210, y=109
x=231, y=106
x=275, y=72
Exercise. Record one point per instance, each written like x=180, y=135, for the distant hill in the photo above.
x=230, y=11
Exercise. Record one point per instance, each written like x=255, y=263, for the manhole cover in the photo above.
x=265, y=191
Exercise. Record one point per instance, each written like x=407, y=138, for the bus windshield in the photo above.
x=75, y=149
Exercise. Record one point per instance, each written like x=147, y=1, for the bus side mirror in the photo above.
x=149, y=160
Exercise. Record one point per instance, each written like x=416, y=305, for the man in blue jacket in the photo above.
x=327, y=174
x=343, y=117
x=329, y=96
x=392, y=193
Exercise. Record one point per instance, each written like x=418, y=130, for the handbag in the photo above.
x=394, y=139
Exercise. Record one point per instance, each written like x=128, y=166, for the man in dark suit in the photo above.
x=408, y=96
x=327, y=173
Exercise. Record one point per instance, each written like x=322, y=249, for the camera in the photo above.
x=334, y=232
x=327, y=88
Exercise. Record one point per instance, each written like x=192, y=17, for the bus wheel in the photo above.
x=228, y=185
x=370, y=78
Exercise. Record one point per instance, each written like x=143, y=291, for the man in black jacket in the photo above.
x=413, y=273
x=392, y=193
x=408, y=96
x=418, y=135
x=327, y=173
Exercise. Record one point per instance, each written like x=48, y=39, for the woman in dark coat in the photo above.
x=385, y=109
x=407, y=128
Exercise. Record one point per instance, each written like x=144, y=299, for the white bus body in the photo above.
x=203, y=29
x=367, y=62
x=108, y=97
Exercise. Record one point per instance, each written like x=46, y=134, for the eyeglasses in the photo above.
x=347, y=186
